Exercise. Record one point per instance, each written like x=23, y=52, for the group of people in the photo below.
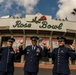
x=60, y=57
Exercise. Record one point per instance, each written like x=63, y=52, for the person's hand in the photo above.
x=44, y=44
x=16, y=50
x=72, y=47
x=49, y=47
x=21, y=43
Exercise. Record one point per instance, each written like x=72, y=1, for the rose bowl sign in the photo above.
x=39, y=24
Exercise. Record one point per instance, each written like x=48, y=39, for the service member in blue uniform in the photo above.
x=60, y=57
x=7, y=63
x=33, y=53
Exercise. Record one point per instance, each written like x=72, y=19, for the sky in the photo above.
x=59, y=9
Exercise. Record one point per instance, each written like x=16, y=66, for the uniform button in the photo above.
x=58, y=63
x=58, y=56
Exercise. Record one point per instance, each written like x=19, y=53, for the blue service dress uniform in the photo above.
x=60, y=57
x=31, y=66
x=7, y=59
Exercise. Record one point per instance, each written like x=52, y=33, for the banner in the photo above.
x=28, y=41
x=44, y=40
x=17, y=41
x=54, y=43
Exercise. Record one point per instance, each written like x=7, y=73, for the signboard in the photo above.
x=38, y=23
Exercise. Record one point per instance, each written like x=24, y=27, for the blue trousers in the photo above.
x=6, y=73
x=29, y=73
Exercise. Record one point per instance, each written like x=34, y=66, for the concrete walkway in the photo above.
x=45, y=69
x=19, y=71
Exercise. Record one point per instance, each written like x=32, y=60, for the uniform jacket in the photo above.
x=7, y=57
x=32, y=58
x=60, y=57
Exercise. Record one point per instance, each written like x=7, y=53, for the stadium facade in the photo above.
x=40, y=25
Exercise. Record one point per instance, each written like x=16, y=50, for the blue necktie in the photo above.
x=33, y=47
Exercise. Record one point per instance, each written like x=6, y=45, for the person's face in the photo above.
x=9, y=43
x=61, y=43
x=34, y=42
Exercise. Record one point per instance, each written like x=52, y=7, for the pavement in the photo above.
x=42, y=71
